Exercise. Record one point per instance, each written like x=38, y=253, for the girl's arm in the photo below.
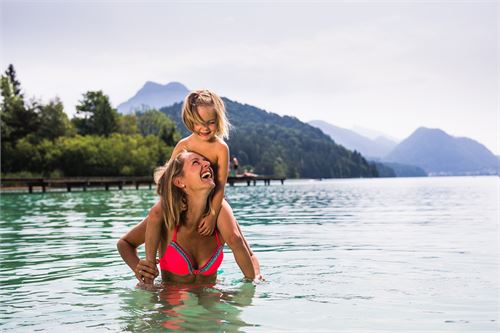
x=207, y=225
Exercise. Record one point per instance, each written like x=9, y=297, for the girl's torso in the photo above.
x=209, y=149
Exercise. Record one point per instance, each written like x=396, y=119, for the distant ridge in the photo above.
x=441, y=154
x=377, y=148
x=154, y=95
x=373, y=134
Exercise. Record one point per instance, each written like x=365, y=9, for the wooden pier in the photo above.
x=253, y=180
x=107, y=182
x=77, y=182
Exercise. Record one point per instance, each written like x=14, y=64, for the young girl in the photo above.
x=203, y=113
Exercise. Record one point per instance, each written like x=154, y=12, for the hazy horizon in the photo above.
x=387, y=66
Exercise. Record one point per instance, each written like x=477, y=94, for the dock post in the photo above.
x=120, y=186
x=30, y=188
x=106, y=186
x=254, y=182
x=43, y=188
x=136, y=185
x=68, y=187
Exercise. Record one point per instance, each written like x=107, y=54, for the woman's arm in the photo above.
x=127, y=247
x=245, y=257
x=153, y=234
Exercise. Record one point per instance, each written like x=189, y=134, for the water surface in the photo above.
x=374, y=255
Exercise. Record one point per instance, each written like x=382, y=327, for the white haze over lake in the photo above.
x=390, y=66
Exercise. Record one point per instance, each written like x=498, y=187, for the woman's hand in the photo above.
x=146, y=271
x=259, y=278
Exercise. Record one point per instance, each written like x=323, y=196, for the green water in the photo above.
x=375, y=255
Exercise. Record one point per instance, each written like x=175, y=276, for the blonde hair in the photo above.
x=173, y=199
x=190, y=115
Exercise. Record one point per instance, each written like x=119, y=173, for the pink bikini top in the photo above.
x=176, y=260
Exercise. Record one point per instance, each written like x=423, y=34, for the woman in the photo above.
x=185, y=188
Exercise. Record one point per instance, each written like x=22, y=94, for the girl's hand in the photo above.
x=207, y=225
x=146, y=271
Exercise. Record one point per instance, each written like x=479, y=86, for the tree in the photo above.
x=127, y=124
x=154, y=122
x=17, y=120
x=16, y=85
x=98, y=117
x=53, y=121
x=115, y=155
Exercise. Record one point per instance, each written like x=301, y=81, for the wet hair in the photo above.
x=190, y=115
x=173, y=198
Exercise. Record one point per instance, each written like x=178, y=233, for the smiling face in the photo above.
x=196, y=174
x=207, y=129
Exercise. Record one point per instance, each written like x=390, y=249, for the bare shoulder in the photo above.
x=180, y=146
x=221, y=146
x=156, y=212
x=183, y=143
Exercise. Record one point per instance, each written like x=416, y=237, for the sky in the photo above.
x=391, y=66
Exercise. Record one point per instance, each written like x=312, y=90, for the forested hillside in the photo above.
x=283, y=146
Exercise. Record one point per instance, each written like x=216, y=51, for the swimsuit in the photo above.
x=176, y=260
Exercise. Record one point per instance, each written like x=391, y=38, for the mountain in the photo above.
x=376, y=148
x=373, y=134
x=403, y=170
x=441, y=154
x=154, y=95
x=276, y=145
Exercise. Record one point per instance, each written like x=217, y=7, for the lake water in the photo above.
x=355, y=255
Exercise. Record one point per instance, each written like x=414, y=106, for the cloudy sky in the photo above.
x=392, y=66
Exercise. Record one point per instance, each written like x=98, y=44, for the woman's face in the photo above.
x=197, y=173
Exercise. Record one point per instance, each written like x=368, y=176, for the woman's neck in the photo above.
x=196, y=208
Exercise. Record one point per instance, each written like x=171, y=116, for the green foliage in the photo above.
x=17, y=120
x=117, y=155
x=54, y=122
x=153, y=122
x=91, y=155
x=10, y=73
x=96, y=116
x=127, y=124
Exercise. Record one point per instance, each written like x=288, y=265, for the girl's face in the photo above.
x=206, y=131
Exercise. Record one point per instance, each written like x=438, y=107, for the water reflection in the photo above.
x=181, y=308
